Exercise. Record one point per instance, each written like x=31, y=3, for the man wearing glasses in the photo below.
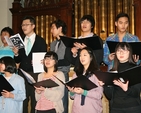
x=33, y=43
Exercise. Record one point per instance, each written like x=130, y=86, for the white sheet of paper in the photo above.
x=10, y=44
x=29, y=78
x=37, y=59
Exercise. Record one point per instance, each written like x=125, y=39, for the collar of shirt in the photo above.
x=90, y=35
x=116, y=37
x=32, y=39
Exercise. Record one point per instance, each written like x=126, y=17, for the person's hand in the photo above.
x=135, y=58
x=71, y=89
x=119, y=83
x=78, y=90
x=111, y=56
x=79, y=45
x=101, y=83
x=7, y=94
x=74, y=51
x=15, y=50
x=83, y=46
x=39, y=89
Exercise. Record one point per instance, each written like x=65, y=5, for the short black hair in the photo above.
x=55, y=57
x=90, y=18
x=60, y=23
x=122, y=15
x=31, y=18
x=10, y=65
x=9, y=30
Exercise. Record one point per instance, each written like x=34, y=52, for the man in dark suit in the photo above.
x=33, y=43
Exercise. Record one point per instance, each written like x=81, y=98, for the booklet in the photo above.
x=5, y=85
x=15, y=40
x=133, y=75
x=136, y=47
x=37, y=59
x=81, y=81
x=45, y=83
x=92, y=42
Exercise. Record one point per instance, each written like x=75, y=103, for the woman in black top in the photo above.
x=123, y=99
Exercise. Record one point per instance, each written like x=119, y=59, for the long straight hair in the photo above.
x=122, y=45
x=92, y=66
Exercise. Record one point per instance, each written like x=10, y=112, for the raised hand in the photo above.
x=119, y=83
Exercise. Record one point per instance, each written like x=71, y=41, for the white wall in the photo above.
x=6, y=15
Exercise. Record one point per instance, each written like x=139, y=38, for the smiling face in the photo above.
x=122, y=55
x=122, y=24
x=85, y=58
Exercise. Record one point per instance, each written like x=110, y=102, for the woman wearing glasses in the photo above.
x=123, y=98
x=49, y=100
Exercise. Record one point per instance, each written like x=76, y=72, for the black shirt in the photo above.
x=123, y=99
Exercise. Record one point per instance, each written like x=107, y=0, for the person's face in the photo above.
x=27, y=27
x=55, y=32
x=122, y=24
x=2, y=67
x=4, y=34
x=86, y=26
x=85, y=58
x=49, y=62
x=122, y=55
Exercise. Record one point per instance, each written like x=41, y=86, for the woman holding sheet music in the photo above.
x=86, y=101
x=49, y=100
x=123, y=99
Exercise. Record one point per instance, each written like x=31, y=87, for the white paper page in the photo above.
x=37, y=64
x=29, y=78
x=10, y=44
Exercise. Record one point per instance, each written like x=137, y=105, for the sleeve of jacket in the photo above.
x=95, y=93
x=106, y=55
x=20, y=93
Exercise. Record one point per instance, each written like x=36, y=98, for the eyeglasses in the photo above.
x=26, y=25
x=122, y=51
x=48, y=58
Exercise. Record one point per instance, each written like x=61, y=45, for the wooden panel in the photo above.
x=60, y=10
x=137, y=4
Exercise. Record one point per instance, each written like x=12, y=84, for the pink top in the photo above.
x=44, y=103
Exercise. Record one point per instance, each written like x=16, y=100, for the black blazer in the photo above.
x=26, y=61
